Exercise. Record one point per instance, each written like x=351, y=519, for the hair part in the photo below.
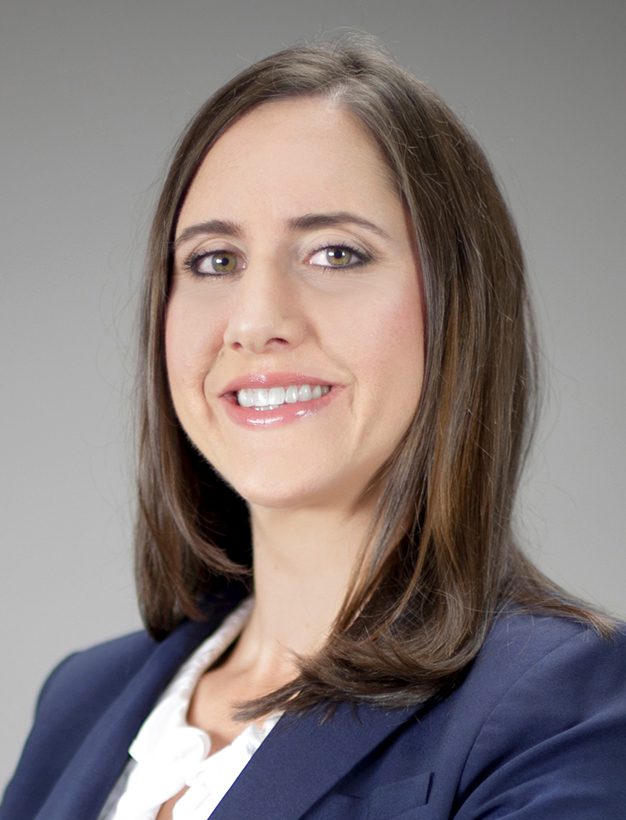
x=442, y=560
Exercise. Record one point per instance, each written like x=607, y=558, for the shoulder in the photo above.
x=536, y=729
x=542, y=669
x=71, y=701
x=544, y=712
x=521, y=645
x=101, y=695
x=118, y=658
x=96, y=674
x=81, y=687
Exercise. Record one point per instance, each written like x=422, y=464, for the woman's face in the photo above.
x=294, y=330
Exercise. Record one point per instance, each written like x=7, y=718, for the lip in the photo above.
x=286, y=413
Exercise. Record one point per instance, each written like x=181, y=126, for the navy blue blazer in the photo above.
x=537, y=731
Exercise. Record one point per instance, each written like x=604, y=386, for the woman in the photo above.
x=336, y=398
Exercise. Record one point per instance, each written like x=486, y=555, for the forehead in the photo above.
x=298, y=154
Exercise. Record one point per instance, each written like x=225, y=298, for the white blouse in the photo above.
x=168, y=755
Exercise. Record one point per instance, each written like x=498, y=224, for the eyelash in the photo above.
x=361, y=258
x=197, y=257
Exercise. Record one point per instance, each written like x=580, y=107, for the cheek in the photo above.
x=190, y=341
x=398, y=367
x=406, y=334
x=385, y=337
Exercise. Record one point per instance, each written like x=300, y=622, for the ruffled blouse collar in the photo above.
x=170, y=755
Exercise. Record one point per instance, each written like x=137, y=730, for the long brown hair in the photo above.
x=442, y=559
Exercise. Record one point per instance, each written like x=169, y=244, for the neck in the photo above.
x=303, y=564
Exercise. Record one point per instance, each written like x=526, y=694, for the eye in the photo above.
x=338, y=256
x=212, y=263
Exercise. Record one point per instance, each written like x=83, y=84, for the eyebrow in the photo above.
x=220, y=226
x=299, y=223
x=308, y=221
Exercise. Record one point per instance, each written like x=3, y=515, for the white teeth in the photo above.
x=269, y=399
x=245, y=398
x=276, y=395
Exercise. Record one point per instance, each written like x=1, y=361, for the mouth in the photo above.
x=264, y=400
x=271, y=398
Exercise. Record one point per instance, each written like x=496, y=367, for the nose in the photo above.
x=265, y=314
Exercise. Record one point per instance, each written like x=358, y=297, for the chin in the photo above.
x=281, y=498
x=289, y=495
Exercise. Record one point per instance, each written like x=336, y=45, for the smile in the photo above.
x=273, y=397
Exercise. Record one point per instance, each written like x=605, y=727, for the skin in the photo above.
x=283, y=302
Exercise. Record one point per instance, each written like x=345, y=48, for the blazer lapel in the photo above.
x=302, y=759
x=98, y=762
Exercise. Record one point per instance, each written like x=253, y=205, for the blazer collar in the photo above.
x=300, y=760
x=86, y=783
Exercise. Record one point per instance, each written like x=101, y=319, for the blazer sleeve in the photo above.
x=555, y=745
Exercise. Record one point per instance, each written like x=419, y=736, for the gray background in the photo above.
x=94, y=95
